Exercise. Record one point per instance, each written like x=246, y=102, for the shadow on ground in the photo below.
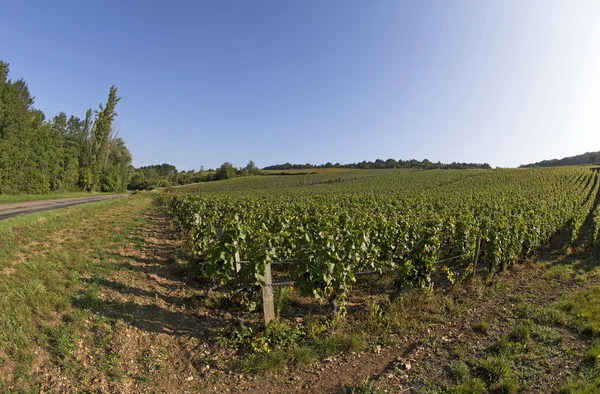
x=149, y=290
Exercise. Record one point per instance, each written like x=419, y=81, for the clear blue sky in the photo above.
x=504, y=82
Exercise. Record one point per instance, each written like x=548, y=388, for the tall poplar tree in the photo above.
x=100, y=136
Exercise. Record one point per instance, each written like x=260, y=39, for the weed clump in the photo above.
x=482, y=327
x=458, y=371
x=493, y=369
x=521, y=333
x=471, y=386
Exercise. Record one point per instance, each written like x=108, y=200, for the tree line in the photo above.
x=64, y=153
x=387, y=164
x=166, y=175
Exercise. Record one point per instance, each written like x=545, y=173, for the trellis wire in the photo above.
x=268, y=301
x=291, y=282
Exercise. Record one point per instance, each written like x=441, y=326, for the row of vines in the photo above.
x=400, y=222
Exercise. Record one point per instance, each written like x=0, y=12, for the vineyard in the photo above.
x=412, y=225
x=436, y=281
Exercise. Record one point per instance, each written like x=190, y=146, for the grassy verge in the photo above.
x=34, y=228
x=581, y=311
x=7, y=199
x=40, y=284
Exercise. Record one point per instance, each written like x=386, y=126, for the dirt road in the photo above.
x=19, y=208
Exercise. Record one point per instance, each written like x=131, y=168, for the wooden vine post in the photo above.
x=238, y=262
x=236, y=254
x=477, y=249
x=267, y=293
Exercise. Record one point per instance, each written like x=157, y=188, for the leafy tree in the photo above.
x=250, y=169
x=391, y=163
x=226, y=171
x=251, y=166
x=101, y=135
x=62, y=154
x=138, y=181
x=118, y=170
x=86, y=179
x=21, y=134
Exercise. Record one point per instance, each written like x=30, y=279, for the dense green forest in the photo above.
x=383, y=164
x=586, y=158
x=64, y=153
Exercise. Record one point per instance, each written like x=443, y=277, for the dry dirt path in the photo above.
x=19, y=208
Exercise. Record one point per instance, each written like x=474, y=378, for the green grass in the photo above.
x=585, y=307
x=519, y=355
x=259, y=363
x=482, y=327
x=62, y=340
x=493, y=369
x=577, y=387
x=458, y=371
x=335, y=344
x=43, y=296
x=471, y=386
x=7, y=199
x=492, y=375
x=21, y=230
x=302, y=355
x=521, y=333
x=505, y=386
x=547, y=336
x=365, y=386
x=297, y=354
x=560, y=272
x=582, y=310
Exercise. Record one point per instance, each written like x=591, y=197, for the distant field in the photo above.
x=274, y=179
x=282, y=182
x=6, y=199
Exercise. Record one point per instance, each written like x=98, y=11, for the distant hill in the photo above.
x=586, y=158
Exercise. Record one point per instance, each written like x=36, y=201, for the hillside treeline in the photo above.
x=384, y=164
x=165, y=175
x=586, y=158
x=64, y=153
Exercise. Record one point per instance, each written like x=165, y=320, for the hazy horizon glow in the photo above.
x=503, y=82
